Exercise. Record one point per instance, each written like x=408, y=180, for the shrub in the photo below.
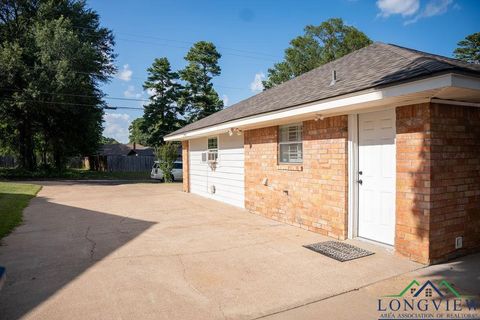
x=167, y=154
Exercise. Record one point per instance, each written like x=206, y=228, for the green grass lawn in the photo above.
x=14, y=197
x=71, y=174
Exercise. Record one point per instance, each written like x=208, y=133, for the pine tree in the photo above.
x=199, y=98
x=162, y=114
x=469, y=49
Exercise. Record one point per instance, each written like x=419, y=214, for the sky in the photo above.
x=252, y=36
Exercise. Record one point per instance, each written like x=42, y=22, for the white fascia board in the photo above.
x=432, y=83
x=337, y=104
x=271, y=116
x=465, y=82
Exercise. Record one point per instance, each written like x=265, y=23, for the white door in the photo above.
x=376, y=176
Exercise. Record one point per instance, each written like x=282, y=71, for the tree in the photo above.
x=162, y=114
x=320, y=44
x=137, y=133
x=53, y=58
x=199, y=99
x=8, y=136
x=304, y=55
x=108, y=140
x=167, y=154
x=469, y=49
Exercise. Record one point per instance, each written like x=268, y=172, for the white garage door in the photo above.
x=224, y=181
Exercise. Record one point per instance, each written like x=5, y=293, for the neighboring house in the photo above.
x=118, y=157
x=382, y=144
x=120, y=149
x=139, y=150
x=114, y=149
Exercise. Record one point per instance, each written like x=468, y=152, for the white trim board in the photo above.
x=352, y=176
x=345, y=104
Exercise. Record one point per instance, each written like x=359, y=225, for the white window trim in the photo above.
x=298, y=124
x=214, y=150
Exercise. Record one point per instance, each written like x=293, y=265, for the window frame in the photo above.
x=428, y=292
x=178, y=165
x=298, y=142
x=212, y=150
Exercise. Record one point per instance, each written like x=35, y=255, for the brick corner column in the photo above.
x=413, y=140
x=186, y=167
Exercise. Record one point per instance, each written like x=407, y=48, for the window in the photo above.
x=177, y=165
x=212, y=149
x=428, y=292
x=290, y=144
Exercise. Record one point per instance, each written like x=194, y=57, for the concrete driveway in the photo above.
x=149, y=251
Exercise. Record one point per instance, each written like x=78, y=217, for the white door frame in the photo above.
x=352, y=146
x=352, y=176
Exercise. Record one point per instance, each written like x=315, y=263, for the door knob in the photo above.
x=360, y=181
x=360, y=172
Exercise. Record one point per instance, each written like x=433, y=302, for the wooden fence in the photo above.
x=120, y=163
x=8, y=162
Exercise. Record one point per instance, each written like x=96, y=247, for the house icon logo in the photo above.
x=433, y=299
x=427, y=290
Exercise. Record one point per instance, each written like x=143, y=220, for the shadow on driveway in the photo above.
x=53, y=247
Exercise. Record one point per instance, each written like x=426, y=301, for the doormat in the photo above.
x=340, y=251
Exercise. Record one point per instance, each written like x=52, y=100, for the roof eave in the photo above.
x=346, y=103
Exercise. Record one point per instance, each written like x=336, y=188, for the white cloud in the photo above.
x=433, y=8
x=116, y=126
x=256, y=84
x=130, y=93
x=409, y=8
x=151, y=92
x=225, y=100
x=125, y=74
x=402, y=7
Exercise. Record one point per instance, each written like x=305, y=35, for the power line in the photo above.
x=182, y=41
x=138, y=78
x=181, y=47
x=72, y=104
x=165, y=39
x=78, y=95
x=130, y=108
x=253, y=54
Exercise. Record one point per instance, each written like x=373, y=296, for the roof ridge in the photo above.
x=391, y=47
x=333, y=61
x=305, y=74
x=376, y=65
x=299, y=77
x=432, y=56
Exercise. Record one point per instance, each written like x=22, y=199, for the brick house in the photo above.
x=381, y=144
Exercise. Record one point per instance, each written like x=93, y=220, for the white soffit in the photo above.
x=394, y=95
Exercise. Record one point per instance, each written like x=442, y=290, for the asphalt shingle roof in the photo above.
x=114, y=149
x=377, y=65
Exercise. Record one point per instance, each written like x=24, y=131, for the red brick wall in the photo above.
x=312, y=195
x=186, y=167
x=455, y=175
x=413, y=182
x=438, y=181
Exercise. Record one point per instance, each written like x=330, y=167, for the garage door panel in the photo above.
x=228, y=170
x=227, y=176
